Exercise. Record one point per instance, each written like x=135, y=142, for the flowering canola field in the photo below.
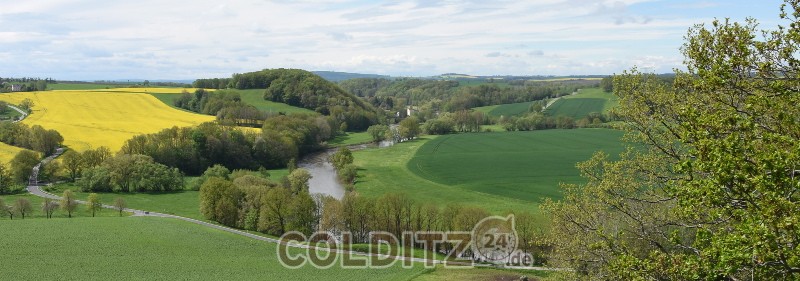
x=94, y=118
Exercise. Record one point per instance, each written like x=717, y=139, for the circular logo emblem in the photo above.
x=494, y=238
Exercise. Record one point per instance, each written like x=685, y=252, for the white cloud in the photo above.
x=92, y=39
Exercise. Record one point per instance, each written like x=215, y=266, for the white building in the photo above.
x=16, y=87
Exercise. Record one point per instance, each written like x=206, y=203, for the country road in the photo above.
x=35, y=189
x=24, y=114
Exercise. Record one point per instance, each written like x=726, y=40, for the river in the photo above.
x=323, y=175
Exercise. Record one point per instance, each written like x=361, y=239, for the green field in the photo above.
x=510, y=109
x=350, y=139
x=148, y=248
x=498, y=171
x=579, y=105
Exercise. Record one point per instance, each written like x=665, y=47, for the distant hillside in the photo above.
x=335, y=76
x=304, y=89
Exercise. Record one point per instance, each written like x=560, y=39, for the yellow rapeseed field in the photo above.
x=90, y=119
x=7, y=152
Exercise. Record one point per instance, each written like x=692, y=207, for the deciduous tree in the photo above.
x=23, y=206
x=68, y=203
x=93, y=203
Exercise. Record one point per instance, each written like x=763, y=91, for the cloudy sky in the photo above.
x=148, y=39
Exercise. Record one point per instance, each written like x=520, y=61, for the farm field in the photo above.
x=90, y=119
x=148, y=248
x=579, y=105
x=184, y=203
x=7, y=152
x=497, y=171
x=510, y=109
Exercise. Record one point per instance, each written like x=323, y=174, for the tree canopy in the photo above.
x=709, y=188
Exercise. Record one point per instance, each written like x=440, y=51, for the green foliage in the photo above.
x=21, y=165
x=409, y=128
x=93, y=203
x=298, y=180
x=712, y=194
x=67, y=202
x=438, y=126
x=6, y=180
x=341, y=157
x=378, y=132
x=131, y=173
x=193, y=150
x=36, y=137
x=73, y=163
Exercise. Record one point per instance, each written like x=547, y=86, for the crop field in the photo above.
x=510, y=109
x=585, y=102
x=497, y=171
x=90, y=119
x=7, y=152
x=147, y=248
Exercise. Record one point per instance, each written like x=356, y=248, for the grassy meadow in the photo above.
x=497, y=171
x=509, y=109
x=90, y=119
x=148, y=248
x=581, y=104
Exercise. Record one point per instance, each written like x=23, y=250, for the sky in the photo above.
x=177, y=39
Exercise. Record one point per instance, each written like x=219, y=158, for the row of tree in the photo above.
x=35, y=137
x=130, y=173
x=23, y=207
x=194, y=149
x=397, y=94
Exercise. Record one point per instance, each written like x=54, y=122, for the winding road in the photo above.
x=24, y=114
x=34, y=188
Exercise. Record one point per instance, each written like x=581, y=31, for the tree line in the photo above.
x=227, y=106
x=31, y=137
x=194, y=149
x=68, y=204
x=451, y=96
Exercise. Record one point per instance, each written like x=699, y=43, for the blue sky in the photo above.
x=148, y=39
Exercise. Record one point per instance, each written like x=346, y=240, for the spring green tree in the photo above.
x=68, y=203
x=93, y=203
x=709, y=188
